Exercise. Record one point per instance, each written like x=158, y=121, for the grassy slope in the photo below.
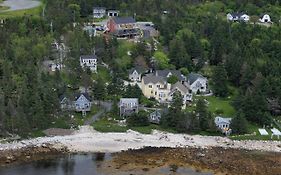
x=33, y=11
x=104, y=125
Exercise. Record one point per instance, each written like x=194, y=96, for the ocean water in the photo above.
x=84, y=164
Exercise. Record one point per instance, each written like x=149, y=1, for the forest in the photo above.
x=241, y=56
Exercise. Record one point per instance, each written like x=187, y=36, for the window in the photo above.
x=151, y=92
x=155, y=93
x=158, y=85
x=150, y=86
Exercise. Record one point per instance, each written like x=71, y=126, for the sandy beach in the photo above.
x=88, y=140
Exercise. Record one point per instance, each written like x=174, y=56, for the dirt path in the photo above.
x=20, y=4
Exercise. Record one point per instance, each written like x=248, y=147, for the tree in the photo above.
x=220, y=81
x=133, y=92
x=178, y=55
x=138, y=119
x=239, y=124
x=202, y=113
x=75, y=10
x=161, y=59
x=174, y=115
x=99, y=89
x=173, y=79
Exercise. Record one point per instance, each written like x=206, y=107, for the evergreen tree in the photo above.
x=99, y=89
x=220, y=81
x=202, y=113
x=239, y=124
x=138, y=119
x=174, y=115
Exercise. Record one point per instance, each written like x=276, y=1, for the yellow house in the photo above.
x=155, y=87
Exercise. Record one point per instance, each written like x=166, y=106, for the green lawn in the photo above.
x=3, y=7
x=216, y=105
x=102, y=73
x=79, y=120
x=33, y=11
x=104, y=125
x=253, y=128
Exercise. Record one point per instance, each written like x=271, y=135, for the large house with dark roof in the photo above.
x=168, y=73
x=123, y=27
x=157, y=86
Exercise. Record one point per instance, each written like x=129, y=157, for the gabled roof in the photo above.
x=62, y=97
x=166, y=72
x=123, y=20
x=88, y=57
x=86, y=95
x=139, y=70
x=237, y=14
x=99, y=8
x=192, y=77
x=262, y=15
x=112, y=10
x=219, y=120
x=179, y=86
x=129, y=100
x=150, y=78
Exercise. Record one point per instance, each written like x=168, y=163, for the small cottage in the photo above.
x=223, y=123
x=238, y=17
x=89, y=61
x=53, y=65
x=112, y=13
x=82, y=102
x=265, y=18
x=99, y=12
x=135, y=74
x=155, y=117
x=128, y=106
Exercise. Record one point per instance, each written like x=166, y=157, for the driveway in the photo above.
x=20, y=4
x=106, y=107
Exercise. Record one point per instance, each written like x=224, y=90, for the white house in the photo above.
x=197, y=83
x=265, y=18
x=99, y=12
x=136, y=73
x=111, y=13
x=89, y=61
x=128, y=106
x=223, y=123
x=238, y=17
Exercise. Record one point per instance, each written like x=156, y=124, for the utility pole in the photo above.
x=51, y=25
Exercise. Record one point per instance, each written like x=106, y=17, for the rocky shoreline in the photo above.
x=150, y=160
x=220, y=161
x=30, y=153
